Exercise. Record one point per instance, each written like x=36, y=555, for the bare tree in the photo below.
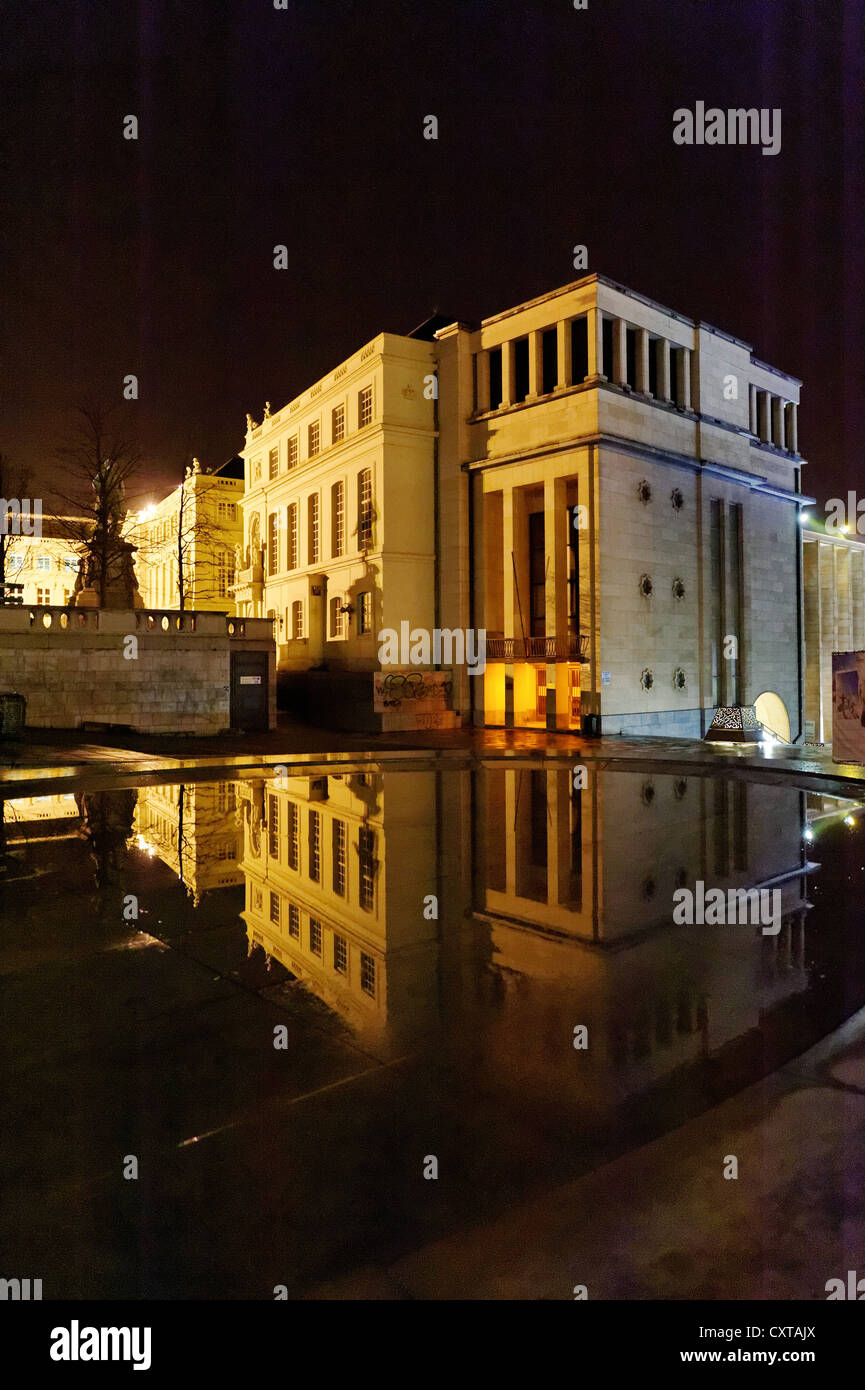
x=196, y=538
x=13, y=484
x=99, y=461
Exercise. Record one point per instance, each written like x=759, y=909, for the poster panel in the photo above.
x=848, y=707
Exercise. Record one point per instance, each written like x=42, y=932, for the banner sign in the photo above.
x=848, y=707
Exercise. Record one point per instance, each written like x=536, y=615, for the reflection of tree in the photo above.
x=106, y=824
x=193, y=830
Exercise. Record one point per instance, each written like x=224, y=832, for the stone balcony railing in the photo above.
x=50, y=618
x=573, y=647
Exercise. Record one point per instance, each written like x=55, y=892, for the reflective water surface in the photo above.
x=283, y=998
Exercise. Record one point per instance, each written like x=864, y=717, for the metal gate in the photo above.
x=249, y=691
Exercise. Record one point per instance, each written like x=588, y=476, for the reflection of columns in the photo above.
x=643, y=360
x=563, y=353
x=507, y=373
x=483, y=367
x=556, y=589
x=559, y=839
x=535, y=353
x=620, y=352
x=510, y=833
x=778, y=422
x=792, y=428
x=663, y=350
x=763, y=415
x=683, y=366
x=595, y=334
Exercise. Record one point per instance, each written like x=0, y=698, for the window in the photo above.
x=337, y=617
x=294, y=921
x=337, y=516
x=314, y=536
x=364, y=611
x=273, y=828
x=292, y=451
x=222, y=573
x=340, y=955
x=367, y=974
x=296, y=628
x=43, y=562
x=15, y=562
x=70, y=564
x=315, y=846
x=313, y=439
x=273, y=463
x=293, y=841
x=364, y=407
x=43, y=597
x=339, y=858
x=549, y=360
x=364, y=509
x=291, y=527
x=274, y=909
x=272, y=543
x=226, y=511
x=521, y=369
x=338, y=424
x=366, y=854
x=315, y=936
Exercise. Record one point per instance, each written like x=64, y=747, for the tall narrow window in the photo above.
x=337, y=424
x=291, y=527
x=272, y=543
x=297, y=619
x=337, y=617
x=339, y=865
x=366, y=855
x=294, y=921
x=549, y=360
x=364, y=407
x=292, y=838
x=364, y=611
x=273, y=828
x=315, y=846
x=313, y=439
x=221, y=574
x=315, y=936
x=314, y=530
x=364, y=509
x=579, y=349
x=340, y=955
x=274, y=909
x=337, y=516
x=537, y=575
x=292, y=451
x=273, y=463
x=521, y=369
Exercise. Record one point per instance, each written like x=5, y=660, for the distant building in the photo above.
x=834, y=584
x=46, y=565
x=627, y=482
x=197, y=526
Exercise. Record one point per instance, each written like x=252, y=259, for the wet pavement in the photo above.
x=331, y=1019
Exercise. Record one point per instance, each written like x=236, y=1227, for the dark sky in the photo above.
x=304, y=127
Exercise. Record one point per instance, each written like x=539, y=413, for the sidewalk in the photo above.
x=663, y=1223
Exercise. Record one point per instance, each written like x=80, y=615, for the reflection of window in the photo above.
x=274, y=909
x=364, y=407
x=366, y=851
x=339, y=857
x=293, y=843
x=315, y=846
x=340, y=955
x=315, y=936
x=294, y=921
x=364, y=611
x=367, y=974
x=338, y=424
x=273, y=828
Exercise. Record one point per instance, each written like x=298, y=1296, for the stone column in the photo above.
x=663, y=351
x=595, y=335
x=778, y=422
x=684, y=383
x=643, y=361
x=620, y=352
x=752, y=409
x=507, y=373
x=792, y=427
x=563, y=353
x=483, y=366
x=763, y=415
x=556, y=591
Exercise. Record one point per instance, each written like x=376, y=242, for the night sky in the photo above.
x=305, y=127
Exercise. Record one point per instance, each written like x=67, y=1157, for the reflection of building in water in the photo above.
x=192, y=827
x=21, y=815
x=577, y=889
x=337, y=870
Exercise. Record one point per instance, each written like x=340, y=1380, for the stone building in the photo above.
x=47, y=564
x=834, y=584
x=199, y=525
x=627, y=481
